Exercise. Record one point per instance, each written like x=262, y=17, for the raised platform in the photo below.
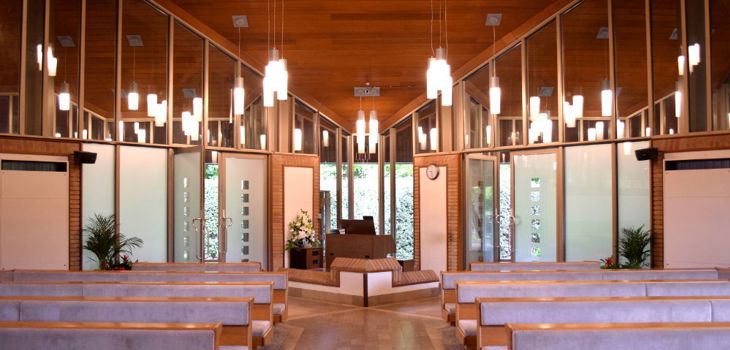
x=363, y=282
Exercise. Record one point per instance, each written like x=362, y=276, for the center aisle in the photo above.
x=315, y=325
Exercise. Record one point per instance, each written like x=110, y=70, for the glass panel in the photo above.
x=427, y=132
x=403, y=190
x=720, y=33
x=477, y=130
x=246, y=210
x=37, y=58
x=253, y=122
x=10, y=21
x=97, y=191
x=479, y=228
x=695, y=13
x=328, y=175
x=303, y=126
x=211, y=204
x=222, y=72
x=187, y=80
x=505, y=207
x=387, y=169
x=344, y=150
x=586, y=71
x=629, y=30
x=588, y=203
x=144, y=69
x=99, y=72
x=666, y=47
x=143, y=200
x=65, y=31
x=634, y=193
x=187, y=206
x=365, y=185
x=535, y=206
x=508, y=67
x=542, y=82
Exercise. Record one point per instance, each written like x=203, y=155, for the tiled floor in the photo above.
x=317, y=325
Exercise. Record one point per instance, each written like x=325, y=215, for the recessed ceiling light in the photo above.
x=493, y=19
x=546, y=91
x=602, y=33
x=66, y=41
x=135, y=40
x=240, y=21
x=367, y=91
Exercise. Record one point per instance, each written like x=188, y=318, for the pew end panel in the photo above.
x=467, y=324
x=448, y=305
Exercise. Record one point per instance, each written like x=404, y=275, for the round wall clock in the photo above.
x=432, y=172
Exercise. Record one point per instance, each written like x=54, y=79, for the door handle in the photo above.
x=197, y=224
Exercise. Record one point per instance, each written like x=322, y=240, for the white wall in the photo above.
x=143, y=199
x=696, y=208
x=433, y=227
x=97, y=189
x=298, y=194
x=34, y=217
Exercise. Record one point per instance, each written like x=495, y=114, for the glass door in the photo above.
x=243, y=208
x=480, y=241
x=535, y=204
x=187, y=225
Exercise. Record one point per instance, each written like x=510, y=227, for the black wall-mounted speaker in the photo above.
x=647, y=154
x=85, y=157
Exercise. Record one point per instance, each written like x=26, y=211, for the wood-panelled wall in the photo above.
x=276, y=176
x=669, y=145
x=453, y=165
x=20, y=145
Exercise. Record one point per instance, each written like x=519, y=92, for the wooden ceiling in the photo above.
x=333, y=45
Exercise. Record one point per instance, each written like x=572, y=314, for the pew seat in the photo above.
x=197, y=267
x=537, y=265
x=647, y=336
x=109, y=336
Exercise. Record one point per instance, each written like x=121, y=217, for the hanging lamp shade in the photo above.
x=438, y=78
x=238, y=96
x=198, y=108
x=373, y=130
x=360, y=131
x=495, y=96
x=534, y=107
x=606, y=100
x=276, y=79
x=678, y=99
x=151, y=104
x=64, y=98
x=133, y=97
x=52, y=63
x=161, y=114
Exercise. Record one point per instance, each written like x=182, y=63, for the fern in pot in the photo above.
x=634, y=246
x=107, y=248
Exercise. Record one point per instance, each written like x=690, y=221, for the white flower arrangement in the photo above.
x=301, y=232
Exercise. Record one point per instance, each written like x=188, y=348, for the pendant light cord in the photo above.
x=281, y=43
x=268, y=26
x=494, y=48
x=446, y=29
x=134, y=63
x=433, y=53
x=440, y=23
x=239, y=42
x=274, y=36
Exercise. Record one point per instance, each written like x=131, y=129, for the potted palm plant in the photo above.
x=634, y=246
x=110, y=249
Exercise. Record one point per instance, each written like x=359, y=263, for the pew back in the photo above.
x=665, y=336
x=109, y=336
x=198, y=267
x=233, y=313
x=532, y=266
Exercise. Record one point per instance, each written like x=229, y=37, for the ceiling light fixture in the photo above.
x=276, y=76
x=606, y=99
x=373, y=127
x=438, y=75
x=360, y=129
x=239, y=92
x=133, y=94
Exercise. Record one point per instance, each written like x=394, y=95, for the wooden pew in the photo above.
x=279, y=280
x=233, y=313
x=109, y=336
x=534, y=266
x=198, y=267
x=449, y=279
x=261, y=292
x=612, y=336
x=467, y=292
x=496, y=313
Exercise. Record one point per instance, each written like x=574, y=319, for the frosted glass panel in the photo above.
x=246, y=205
x=97, y=189
x=187, y=207
x=633, y=187
x=588, y=204
x=143, y=200
x=479, y=234
x=535, y=193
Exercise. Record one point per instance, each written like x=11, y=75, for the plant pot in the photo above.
x=298, y=259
